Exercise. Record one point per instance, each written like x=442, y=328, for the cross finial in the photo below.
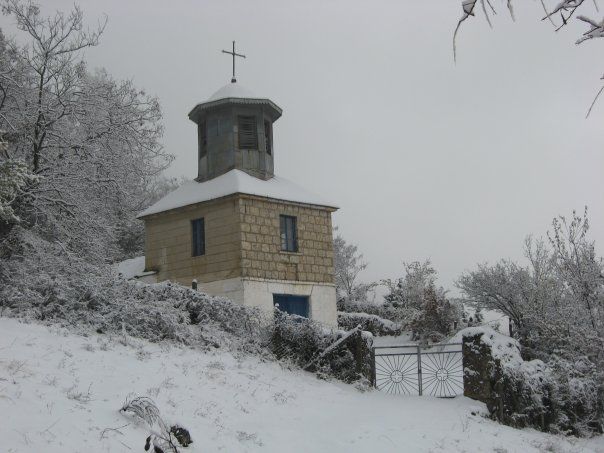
x=234, y=54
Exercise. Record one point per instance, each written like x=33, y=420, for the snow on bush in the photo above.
x=560, y=396
x=371, y=323
x=68, y=291
x=325, y=351
x=360, y=306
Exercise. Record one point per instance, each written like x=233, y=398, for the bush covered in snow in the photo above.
x=420, y=304
x=371, y=323
x=563, y=397
x=556, y=303
x=327, y=352
x=68, y=291
x=361, y=306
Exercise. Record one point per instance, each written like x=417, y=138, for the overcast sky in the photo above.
x=426, y=159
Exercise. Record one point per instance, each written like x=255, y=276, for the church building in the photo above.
x=239, y=230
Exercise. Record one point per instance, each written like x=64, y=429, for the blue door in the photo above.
x=294, y=305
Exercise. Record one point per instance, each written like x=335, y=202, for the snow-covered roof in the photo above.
x=232, y=90
x=235, y=93
x=232, y=182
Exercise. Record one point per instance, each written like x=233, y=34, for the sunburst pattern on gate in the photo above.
x=397, y=374
x=442, y=374
x=435, y=370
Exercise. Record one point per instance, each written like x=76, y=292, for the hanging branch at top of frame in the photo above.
x=558, y=15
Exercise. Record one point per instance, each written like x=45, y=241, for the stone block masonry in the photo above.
x=261, y=252
x=243, y=259
x=243, y=239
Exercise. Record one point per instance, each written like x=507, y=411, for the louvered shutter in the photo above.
x=268, y=137
x=248, y=132
x=203, y=139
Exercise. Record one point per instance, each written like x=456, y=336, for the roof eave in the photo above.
x=329, y=208
x=276, y=110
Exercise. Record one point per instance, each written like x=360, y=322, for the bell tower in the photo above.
x=235, y=131
x=239, y=230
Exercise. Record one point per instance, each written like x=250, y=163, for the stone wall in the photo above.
x=262, y=256
x=516, y=393
x=243, y=239
x=243, y=258
x=168, y=243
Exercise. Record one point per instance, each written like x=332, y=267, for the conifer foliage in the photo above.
x=420, y=303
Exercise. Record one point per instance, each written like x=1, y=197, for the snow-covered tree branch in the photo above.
x=557, y=12
x=92, y=142
x=349, y=263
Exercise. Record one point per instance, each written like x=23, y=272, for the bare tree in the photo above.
x=577, y=264
x=53, y=61
x=517, y=291
x=557, y=300
x=92, y=142
x=349, y=263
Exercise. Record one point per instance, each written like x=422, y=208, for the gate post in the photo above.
x=373, y=374
x=419, y=369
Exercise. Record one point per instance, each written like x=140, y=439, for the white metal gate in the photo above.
x=435, y=370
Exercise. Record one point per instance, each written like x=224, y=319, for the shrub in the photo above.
x=68, y=291
x=356, y=306
x=559, y=396
x=370, y=323
x=316, y=348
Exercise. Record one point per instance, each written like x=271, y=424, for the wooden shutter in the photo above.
x=202, y=130
x=248, y=132
x=268, y=137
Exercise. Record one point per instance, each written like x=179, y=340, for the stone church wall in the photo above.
x=243, y=259
x=168, y=243
x=261, y=252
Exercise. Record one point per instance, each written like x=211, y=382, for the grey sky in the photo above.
x=427, y=159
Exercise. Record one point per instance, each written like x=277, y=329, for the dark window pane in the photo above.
x=247, y=132
x=198, y=239
x=289, y=238
x=294, y=305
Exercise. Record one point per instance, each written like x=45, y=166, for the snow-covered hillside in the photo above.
x=62, y=393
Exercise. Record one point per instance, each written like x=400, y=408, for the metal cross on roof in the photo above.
x=234, y=54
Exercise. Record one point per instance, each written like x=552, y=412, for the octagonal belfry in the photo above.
x=235, y=131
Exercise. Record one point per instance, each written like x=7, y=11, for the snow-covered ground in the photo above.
x=61, y=393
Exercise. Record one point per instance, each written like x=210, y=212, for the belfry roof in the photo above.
x=232, y=182
x=234, y=93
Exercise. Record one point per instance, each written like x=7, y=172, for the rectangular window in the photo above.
x=203, y=139
x=247, y=132
x=289, y=234
x=268, y=137
x=294, y=305
x=199, y=237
